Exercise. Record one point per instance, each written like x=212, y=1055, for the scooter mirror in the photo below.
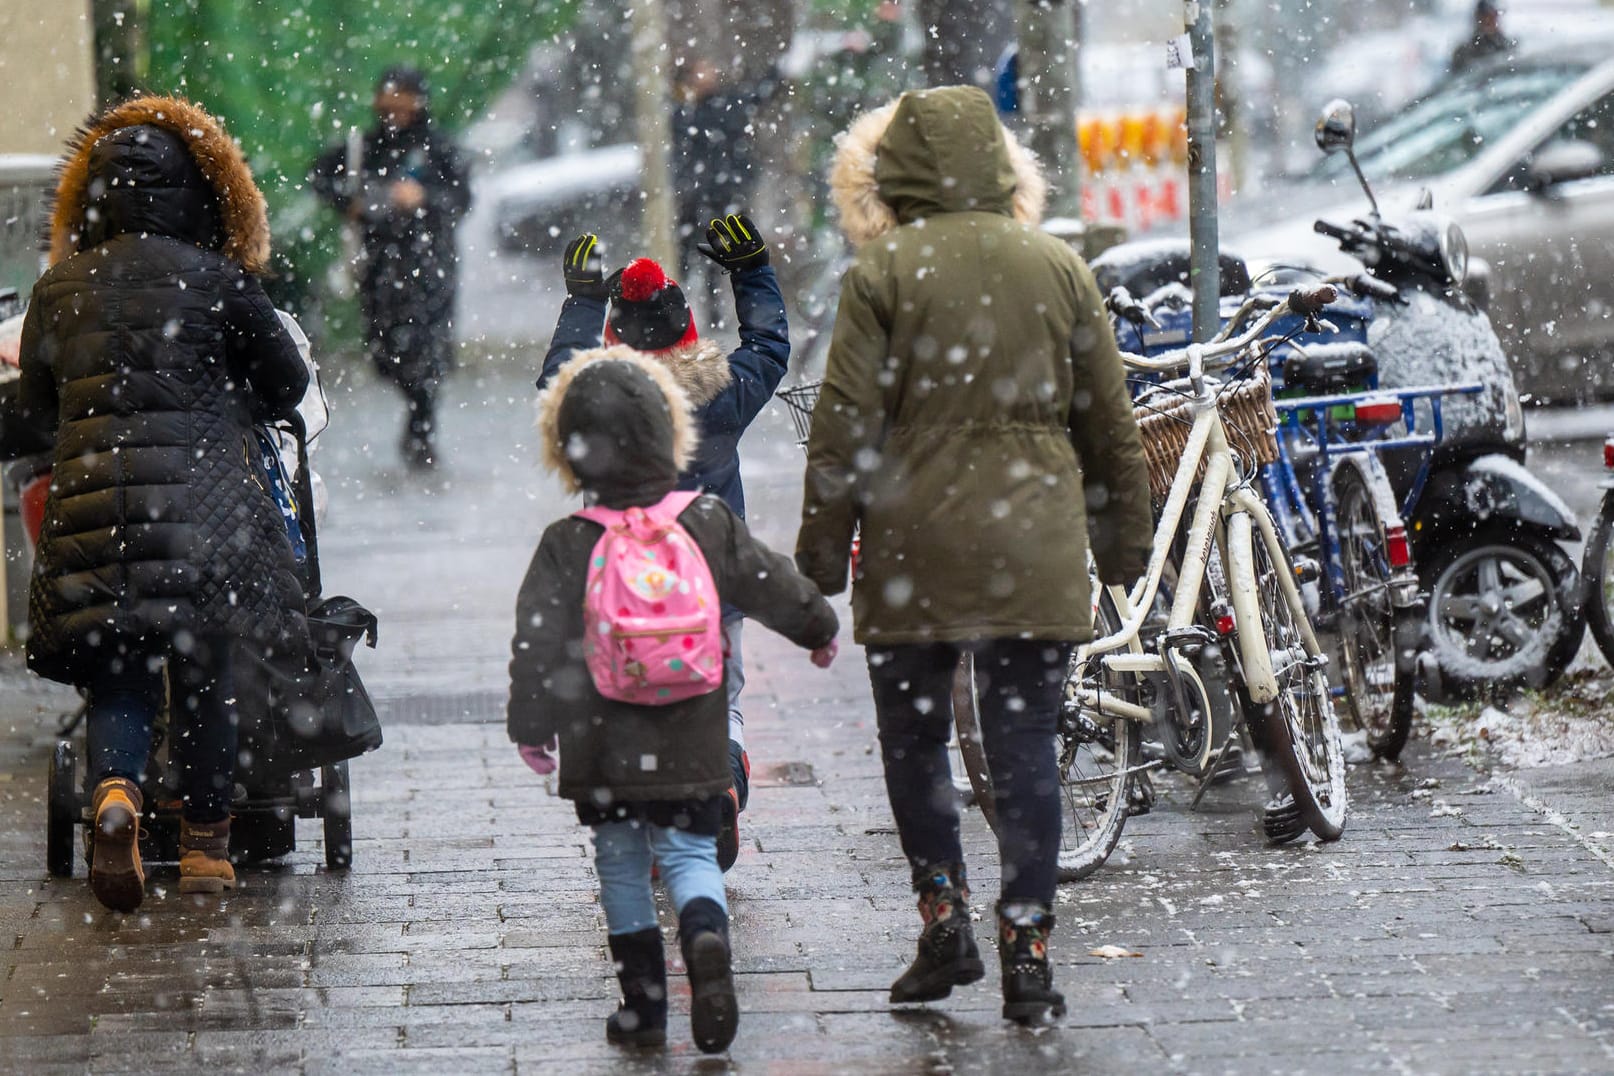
x=1336, y=128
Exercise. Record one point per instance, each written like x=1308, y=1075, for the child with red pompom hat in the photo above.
x=640, y=306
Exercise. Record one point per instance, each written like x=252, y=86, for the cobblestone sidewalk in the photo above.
x=1463, y=924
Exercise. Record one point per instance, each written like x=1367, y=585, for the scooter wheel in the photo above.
x=1504, y=612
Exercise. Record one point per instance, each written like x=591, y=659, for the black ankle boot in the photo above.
x=1029, y=996
x=703, y=935
x=641, y=968
x=948, y=955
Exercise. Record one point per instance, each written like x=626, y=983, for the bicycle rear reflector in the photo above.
x=1396, y=547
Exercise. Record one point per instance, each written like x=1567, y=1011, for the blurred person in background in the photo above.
x=1486, y=39
x=405, y=187
x=714, y=158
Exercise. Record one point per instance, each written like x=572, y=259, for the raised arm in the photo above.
x=582, y=316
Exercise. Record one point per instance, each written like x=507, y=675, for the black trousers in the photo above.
x=1019, y=685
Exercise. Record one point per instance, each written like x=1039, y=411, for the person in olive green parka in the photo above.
x=974, y=426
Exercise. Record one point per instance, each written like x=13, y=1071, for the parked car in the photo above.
x=538, y=207
x=1521, y=153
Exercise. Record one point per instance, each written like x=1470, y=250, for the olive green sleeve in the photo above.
x=848, y=427
x=1120, y=522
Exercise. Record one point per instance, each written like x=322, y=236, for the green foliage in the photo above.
x=290, y=76
x=855, y=12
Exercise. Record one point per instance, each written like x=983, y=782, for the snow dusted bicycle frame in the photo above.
x=1233, y=556
x=1331, y=497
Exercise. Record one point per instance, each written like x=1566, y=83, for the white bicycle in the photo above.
x=1214, y=640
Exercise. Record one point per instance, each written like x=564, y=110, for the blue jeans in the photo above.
x=623, y=853
x=202, y=727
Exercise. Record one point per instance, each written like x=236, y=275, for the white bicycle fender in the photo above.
x=1259, y=680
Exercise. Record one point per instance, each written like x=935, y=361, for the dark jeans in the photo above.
x=1018, y=683
x=202, y=727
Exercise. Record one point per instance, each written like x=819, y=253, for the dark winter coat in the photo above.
x=149, y=348
x=728, y=396
x=410, y=272
x=713, y=159
x=616, y=425
x=974, y=418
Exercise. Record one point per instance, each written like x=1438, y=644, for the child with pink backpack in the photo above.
x=618, y=662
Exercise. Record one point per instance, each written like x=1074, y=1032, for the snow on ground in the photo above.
x=1572, y=722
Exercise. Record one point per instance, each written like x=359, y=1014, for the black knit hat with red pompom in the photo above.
x=648, y=311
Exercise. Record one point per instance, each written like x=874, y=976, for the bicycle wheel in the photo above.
x=1598, y=570
x=967, y=727
x=1298, y=727
x=1378, y=697
x=1099, y=755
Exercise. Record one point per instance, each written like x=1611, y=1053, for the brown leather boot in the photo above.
x=204, y=857
x=116, y=876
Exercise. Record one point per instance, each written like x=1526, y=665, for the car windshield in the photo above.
x=1452, y=126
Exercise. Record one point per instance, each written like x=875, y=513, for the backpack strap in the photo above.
x=667, y=510
x=672, y=505
x=598, y=513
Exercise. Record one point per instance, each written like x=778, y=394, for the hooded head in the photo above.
x=931, y=152
x=401, y=95
x=161, y=166
x=648, y=309
x=615, y=425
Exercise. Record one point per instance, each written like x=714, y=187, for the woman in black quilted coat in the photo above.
x=149, y=349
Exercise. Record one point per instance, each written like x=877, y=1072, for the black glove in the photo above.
x=585, y=268
x=735, y=243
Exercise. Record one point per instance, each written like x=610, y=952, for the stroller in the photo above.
x=298, y=728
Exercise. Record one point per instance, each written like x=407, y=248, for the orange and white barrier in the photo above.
x=1136, y=167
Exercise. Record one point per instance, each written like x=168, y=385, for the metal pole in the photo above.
x=1048, y=81
x=653, y=129
x=1204, y=276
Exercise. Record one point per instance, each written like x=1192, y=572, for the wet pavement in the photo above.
x=1464, y=924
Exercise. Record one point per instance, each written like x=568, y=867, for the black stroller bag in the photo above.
x=302, y=719
x=295, y=718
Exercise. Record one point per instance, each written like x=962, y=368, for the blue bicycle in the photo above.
x=1330, y=494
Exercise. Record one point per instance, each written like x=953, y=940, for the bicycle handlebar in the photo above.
x=1303, y=301
x=1334, y=231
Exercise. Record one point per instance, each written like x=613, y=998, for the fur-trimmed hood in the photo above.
x=931, y=151
x=701, y=369
x=602, y=432
x=106, y=175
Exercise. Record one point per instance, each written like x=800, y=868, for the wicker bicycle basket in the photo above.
x=800, y=401
x=1248, y=415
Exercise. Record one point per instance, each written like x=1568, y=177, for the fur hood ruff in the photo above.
x=679, y=402
x=856, y=192
x=701, y=370
x=242, y=210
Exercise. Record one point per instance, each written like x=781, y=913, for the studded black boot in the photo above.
x=948, y=955
x=1029, y=996
x=641, y=969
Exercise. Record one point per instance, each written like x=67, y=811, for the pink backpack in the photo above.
x=652, y=633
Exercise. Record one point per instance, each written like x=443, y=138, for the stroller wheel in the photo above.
x=62, y=810
x=336, y=809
